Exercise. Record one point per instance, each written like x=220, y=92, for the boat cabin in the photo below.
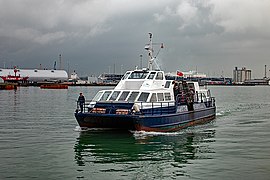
x=150, y=89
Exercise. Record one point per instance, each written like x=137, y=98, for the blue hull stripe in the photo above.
x=165, y=122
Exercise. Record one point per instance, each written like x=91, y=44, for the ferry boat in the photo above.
x=144, y=100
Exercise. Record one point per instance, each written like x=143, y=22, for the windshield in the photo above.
x=114, y=95
x=153, y=97
x=126, y=75
x=160, y=96
x=105, y=96
x=133, y=96
x=97, y=96
x=138, y=75
x=152, y=75
x=159, y=76
x=123, y=96
x=143, y=97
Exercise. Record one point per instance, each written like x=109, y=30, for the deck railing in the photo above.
x=183, y=99
x=157, y=107
x=147, y=107
x=85, y=106
x=152, y=108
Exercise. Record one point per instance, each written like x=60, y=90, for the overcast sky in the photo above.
x=212, y=36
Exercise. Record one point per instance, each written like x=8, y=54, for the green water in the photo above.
x=39, y=139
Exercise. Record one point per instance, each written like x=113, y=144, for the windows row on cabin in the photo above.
x=143, y=75
x=131, y=96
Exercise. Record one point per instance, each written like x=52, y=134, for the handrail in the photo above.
x=209, y=102
x=196, y=97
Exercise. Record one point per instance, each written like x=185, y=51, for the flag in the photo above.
x=179, y=73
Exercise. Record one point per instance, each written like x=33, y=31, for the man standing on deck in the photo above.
x=81, y=101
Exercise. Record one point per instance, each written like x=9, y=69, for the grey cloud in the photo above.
x=210, y=35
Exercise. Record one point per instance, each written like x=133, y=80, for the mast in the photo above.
x=60, y=61
x=149, y=48
x=265, y=74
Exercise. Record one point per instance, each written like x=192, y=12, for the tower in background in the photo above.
x=241, y=75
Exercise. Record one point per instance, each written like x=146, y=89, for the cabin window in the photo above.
x=52, y=71
x=190, y=85
x=97, y=96
x=151, y=75
x=159, y=76
x=153, y=98
x=138, y=75
x=126, y=75
x=35, y=70
x=160, y=96
x=133, y=96
x=168, y=83
x=114, y=95
x=167, y=96
x=143, y=97
x=105, y=96
x=123, y=96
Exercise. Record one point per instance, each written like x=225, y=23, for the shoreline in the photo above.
x=95, y=84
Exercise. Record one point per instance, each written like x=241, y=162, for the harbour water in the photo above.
x=40, y=139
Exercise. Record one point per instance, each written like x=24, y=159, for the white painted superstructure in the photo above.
x=148, y=88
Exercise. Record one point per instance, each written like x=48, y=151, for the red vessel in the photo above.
x=8, y=86
x=54, y=86
x=14, y=78
x=11, y=78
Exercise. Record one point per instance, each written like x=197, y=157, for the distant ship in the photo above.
x=34, y=75
x=14, y=78
x=144, y=100
x=54, y=86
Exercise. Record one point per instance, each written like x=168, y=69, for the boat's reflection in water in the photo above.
x=139, y=149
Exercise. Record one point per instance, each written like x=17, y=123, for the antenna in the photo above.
x=121, y=69
x=60, y=61
x=68, y=67
x=149, y=48
x=265, y=73
x=141, y=60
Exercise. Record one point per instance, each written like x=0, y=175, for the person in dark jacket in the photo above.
x=81, y=101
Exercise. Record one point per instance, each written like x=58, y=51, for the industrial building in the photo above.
x=241, y=75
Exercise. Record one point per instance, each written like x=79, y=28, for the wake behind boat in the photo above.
x=144, y=100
